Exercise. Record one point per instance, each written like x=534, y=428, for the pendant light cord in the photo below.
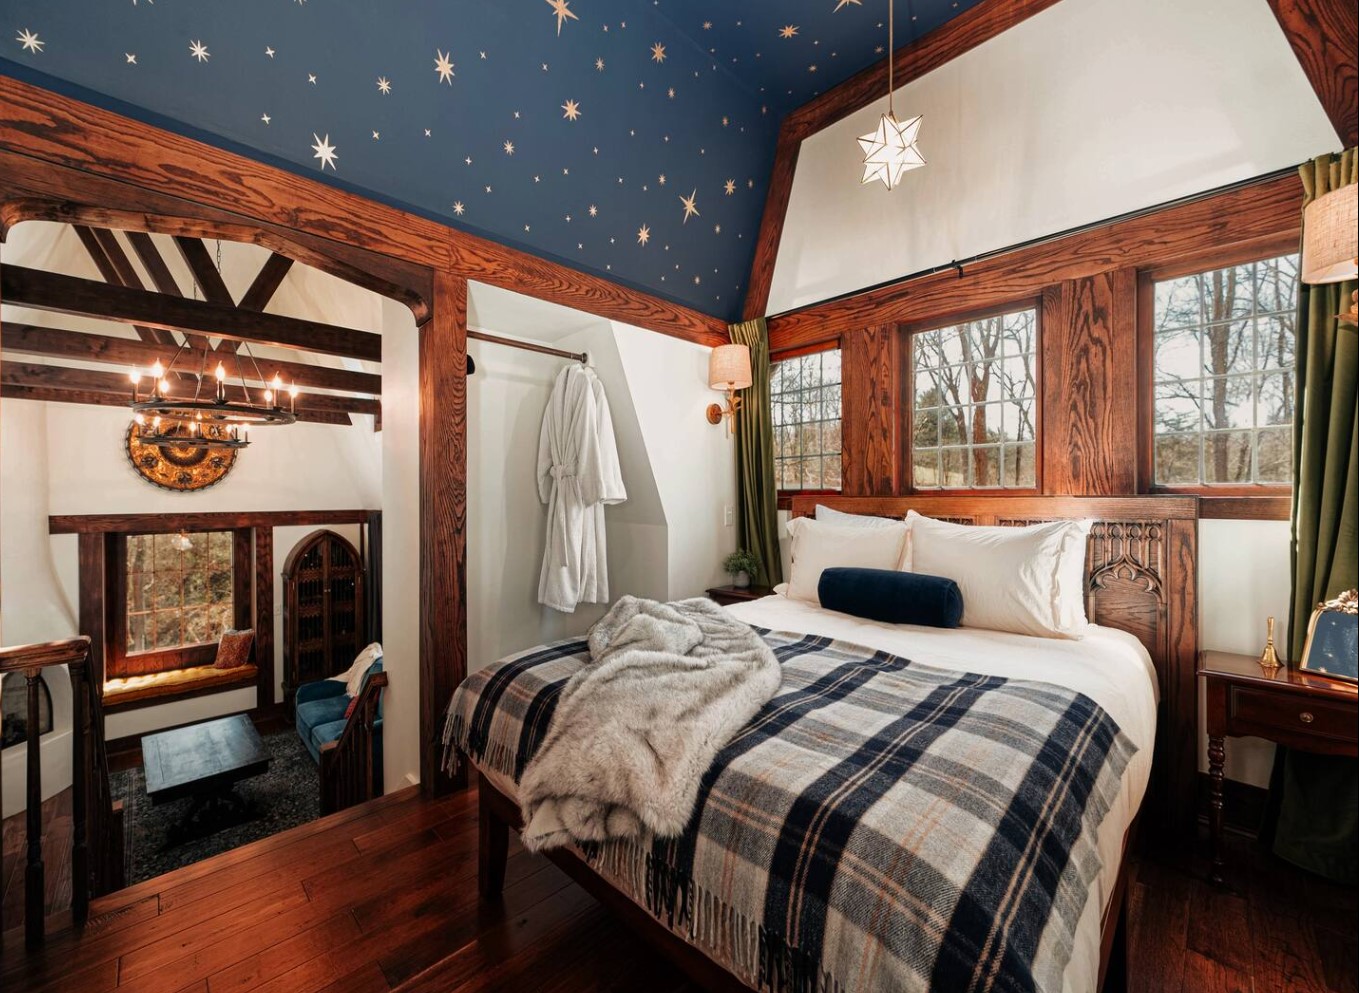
x=891, y=55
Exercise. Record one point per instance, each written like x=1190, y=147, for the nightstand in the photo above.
x=1288, y=707
x=727, y=595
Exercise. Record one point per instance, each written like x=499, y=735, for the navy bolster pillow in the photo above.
x=893, y=597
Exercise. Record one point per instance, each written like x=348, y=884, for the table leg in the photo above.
x=1217, y=755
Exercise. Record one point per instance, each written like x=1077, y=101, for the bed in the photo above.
x=1136, y=663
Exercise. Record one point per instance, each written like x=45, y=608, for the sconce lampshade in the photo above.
x=729, y=367
x=1330, y=237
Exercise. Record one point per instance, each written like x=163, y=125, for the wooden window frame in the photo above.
x=120, y=663
x=906, y=396
x=1230, y=501
x=784, y=497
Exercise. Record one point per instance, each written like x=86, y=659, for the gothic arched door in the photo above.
x=323, y=610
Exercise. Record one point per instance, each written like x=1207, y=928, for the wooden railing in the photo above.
x=96, y=836
x=349, y=774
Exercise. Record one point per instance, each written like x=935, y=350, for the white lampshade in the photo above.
x=1330, y=231
x=729, y=367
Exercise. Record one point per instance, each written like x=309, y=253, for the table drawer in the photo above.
x=1292, y=714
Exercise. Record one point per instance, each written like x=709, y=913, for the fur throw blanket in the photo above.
x=634, y=731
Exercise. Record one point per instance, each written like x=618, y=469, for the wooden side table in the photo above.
x=1288, y=707
x=727, y=595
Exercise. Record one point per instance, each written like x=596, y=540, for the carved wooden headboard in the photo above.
x=1141, y=577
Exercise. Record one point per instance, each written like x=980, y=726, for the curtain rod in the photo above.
x=958, y=264
x=582, y=357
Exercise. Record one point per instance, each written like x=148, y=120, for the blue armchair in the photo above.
x=348, y=750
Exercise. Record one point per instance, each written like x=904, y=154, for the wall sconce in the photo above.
x=728, y=371
x=1330, y=233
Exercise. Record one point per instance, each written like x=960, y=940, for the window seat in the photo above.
x=175, y=683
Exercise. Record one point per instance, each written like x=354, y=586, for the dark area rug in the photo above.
x=287, y=795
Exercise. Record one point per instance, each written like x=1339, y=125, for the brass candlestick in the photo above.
x=1269, y=658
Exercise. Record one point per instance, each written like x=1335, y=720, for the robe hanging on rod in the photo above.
x=582, y=357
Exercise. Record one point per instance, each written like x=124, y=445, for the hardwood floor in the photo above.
x=384, y=896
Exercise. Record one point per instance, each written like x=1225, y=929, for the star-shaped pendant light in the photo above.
x=890, y=150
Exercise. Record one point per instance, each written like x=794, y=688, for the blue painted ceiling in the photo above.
x=630, y=138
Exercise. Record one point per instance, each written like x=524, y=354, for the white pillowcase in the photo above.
x=830, y=516
x=1028, y=580
x=819, y=545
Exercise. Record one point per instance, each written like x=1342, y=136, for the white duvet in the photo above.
x=1109, y=666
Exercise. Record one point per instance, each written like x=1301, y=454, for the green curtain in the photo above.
x=757, y=501
x=1318, y=796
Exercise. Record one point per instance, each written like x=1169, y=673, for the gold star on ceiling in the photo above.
x=562, y=8
x=729, y=187
x=570, y=110
x=443, y=67
x=384, y=85
x=787, y=31
x=509, y=148
x=197, y=50
x=658, y=52
x=459, y=208
x=643, y=235
x=846, y=3
x=690, y=206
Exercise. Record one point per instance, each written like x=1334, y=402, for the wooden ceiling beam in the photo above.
x=1324, y=35
x=94, y=247
x=14, y=373
x=70, y=295
x=205, y=274
x=267, y=281
x=29, y=339
x=161, y=277
x=96, y=398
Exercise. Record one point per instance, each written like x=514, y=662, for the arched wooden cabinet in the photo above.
x=323, y=610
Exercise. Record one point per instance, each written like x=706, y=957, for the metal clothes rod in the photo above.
x=582, y=357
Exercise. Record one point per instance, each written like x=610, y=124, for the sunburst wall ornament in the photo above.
x=891, y=150
x=177, y=468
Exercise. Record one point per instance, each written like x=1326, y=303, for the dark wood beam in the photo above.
x=37, y=374
x=771, y=224
x=198, y=521
x=58, y=394
x=95, y=248
x=267, y=282
x=161, y=277
x=29, y=339
x=1324, y=35
x=69, y=295
x=205, y=274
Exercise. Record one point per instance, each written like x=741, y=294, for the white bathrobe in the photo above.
x=578, y=474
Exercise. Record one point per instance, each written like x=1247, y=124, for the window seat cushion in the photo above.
x=175, y=682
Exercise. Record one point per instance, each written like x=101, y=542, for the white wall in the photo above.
x=1087, y=110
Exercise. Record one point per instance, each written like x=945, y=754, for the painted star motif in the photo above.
x=428, y=132
x=643, y=235
x=594, y=211
x=458, y=207
x=199, y=51
x=131, y=58
x=729, y=187
x=690, y=206
x=661, y=179
x=788, y=31
x=265, y=118
x=384, y=85
x=846, y=3
x=377, y=136
x=670, y=93
x=30, y=41
x=562, y=8
x=658, y=52
x=311, y=78
x=891, y=150
x=571, y=110
x=268, y=51
x=325, y=151
x=468, y=160
x=717, y=229
x=443, y=67
x=599, y=65
x=509, y=148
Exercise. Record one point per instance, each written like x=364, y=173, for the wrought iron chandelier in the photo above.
x=891, y=150
x=199, y=421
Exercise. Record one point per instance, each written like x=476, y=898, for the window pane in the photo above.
x=974, y=385
x=1275, y=454
x=1275, y=339
x=1178, y=353
x=1276, y=285
x=1177, y=460
x=1019, y=466
x=179, y=589
x=1178, y=304
x=1229, y=403
x=1177, y=407
x=1227, y=456
x=805, y=399
x=1228, y=349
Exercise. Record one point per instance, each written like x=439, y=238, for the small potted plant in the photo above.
x=740, y=564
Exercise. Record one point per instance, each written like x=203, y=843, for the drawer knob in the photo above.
x=1306, y=717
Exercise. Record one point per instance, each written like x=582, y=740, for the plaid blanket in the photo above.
x=879, y=825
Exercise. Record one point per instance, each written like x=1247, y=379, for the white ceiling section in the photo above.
x=1088, y=110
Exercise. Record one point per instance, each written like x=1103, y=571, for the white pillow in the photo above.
x=1029, y=580
x=818, y=546
x=830, y=516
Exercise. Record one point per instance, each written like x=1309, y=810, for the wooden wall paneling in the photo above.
x=771, y=224
x=869, y=366
x=443, y=520
x=1177, y=736
x=263, y=610
x=92, y=566
x=242, y=580
x=1088, y=354
x=1325, y=38
x=1269, y=210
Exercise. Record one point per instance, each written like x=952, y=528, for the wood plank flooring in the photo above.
x=383, y=896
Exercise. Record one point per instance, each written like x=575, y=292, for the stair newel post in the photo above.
x=80, y=851
x=34, y=882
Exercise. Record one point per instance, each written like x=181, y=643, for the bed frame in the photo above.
x=1141, y=575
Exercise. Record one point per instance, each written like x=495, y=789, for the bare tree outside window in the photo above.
x=1224, y=380
x=974, y=400
x=805, y=399
x=179, y=589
